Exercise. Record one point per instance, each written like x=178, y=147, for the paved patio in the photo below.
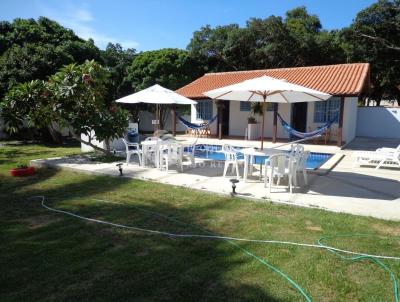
x=342, y=188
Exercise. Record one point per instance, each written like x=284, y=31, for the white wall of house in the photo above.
x=350, y=119
x=238, y=120
x=311, y=125
x=379, y=122
x=146, y=117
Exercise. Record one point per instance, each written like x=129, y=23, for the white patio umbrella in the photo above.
x=158, y=95
x=265, y=89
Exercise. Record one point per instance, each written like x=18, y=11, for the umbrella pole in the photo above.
x=157, y=127
x=173, y=120
x=263, y=122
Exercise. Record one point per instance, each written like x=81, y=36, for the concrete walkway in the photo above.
x=355, y=190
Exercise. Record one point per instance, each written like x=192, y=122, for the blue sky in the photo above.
x=154, y=24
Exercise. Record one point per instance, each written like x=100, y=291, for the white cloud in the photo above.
x=80, y=20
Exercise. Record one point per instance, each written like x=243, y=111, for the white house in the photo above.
x=345, y=82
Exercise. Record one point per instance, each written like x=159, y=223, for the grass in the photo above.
x=51, y=257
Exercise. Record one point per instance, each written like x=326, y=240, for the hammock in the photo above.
x=196, y=126
x=317, y=132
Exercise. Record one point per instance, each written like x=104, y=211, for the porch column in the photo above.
x=219, y=110
x=275, y=127
x=340, y=134
x=173, y=112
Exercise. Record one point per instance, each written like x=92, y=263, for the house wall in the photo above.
x=238, y=120
x=350, y=119
x=311, y=125
x=146, y=126
x=379, y=122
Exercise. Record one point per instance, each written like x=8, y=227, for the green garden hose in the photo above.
x=362, y=257
x=233, y=241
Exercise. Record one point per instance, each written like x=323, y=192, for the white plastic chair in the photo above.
x=189, y=153
x=296, y=150
x=132, y=149
x=279, y=165
x=170, y=153
x=230, y=160
x=300, y=166
x=152, y=151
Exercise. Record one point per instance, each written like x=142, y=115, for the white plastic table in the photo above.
x=152, y=145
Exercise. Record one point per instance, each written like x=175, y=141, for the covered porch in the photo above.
x=346, y=82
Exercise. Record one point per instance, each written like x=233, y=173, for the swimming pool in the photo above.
x=214, y=152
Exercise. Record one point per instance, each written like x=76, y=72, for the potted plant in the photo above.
x=22, y=170
x=252, y=125
x=251, y=120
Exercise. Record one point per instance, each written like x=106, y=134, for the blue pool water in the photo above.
x=314, y=161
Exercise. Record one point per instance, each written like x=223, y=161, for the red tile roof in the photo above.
x=342, y=79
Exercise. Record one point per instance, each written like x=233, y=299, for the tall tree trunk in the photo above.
x=378, y=102
x=55, y=135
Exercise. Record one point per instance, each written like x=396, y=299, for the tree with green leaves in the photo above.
x=117, y=60
x=171, y=68
x=374, y=37
x=74, y=97
x=34, y=50
x=273, y=42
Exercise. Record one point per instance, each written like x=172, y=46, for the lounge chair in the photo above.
x=378, y=158
x=388, y=150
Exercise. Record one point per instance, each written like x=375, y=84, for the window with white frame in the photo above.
x=204, y=110
x=325, y=111
x=245, y=106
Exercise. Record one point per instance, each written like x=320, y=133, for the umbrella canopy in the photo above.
x=156, y=94
x=269, y=89
x=258, y=89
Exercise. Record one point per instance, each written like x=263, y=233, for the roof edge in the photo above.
x=284, y=68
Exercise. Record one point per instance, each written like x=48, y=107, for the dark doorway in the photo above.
x=225, y=117
x=299, y=116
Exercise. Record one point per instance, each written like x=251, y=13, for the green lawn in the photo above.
x=46, y=256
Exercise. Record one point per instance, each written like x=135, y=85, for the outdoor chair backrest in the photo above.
x=302, y=161
x=279, y=163
x=152, y=138
x=227, y=148
x=297, y=150
x=128, y=145
x=190, y=148
x=170, y=148
x=229, y=152
x=230, y=156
